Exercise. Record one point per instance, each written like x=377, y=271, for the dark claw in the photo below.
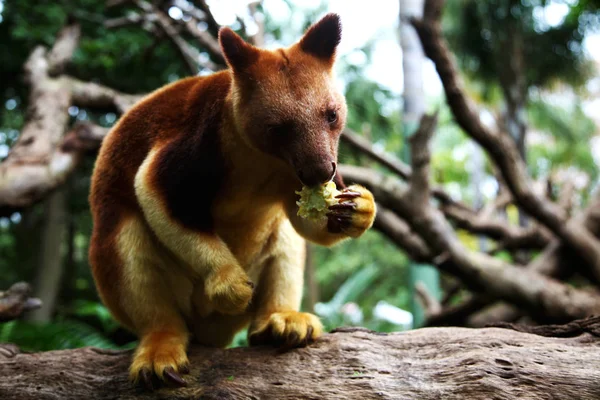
x=251, y=284
x=348, y=195
x=260, y=338
x=293, y=339
x=333, y=226
x=339, y=217
x=291, y=342
x=174, y=377
x=338, y=220
x=309, y=332
x=146, y=377
x=350, y=205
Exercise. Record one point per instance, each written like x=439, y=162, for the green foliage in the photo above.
x=240, y=339
x=350, y=291
x=84, y=308
x=371, y=268
x=567, y=133
x=480, y=32
x=67, y=334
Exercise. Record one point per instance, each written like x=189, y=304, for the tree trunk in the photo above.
x=413, y=108
x=430, y=363
x=51, y=266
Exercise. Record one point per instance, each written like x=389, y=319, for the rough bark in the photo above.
x=561, y=362
x=43, y=157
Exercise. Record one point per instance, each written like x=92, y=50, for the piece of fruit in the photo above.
x=315, y=202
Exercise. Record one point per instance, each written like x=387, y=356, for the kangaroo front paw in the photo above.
x=354, y=213
x=287, y=328
x=229, y=290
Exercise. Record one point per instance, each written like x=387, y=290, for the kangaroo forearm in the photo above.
x=202, y=251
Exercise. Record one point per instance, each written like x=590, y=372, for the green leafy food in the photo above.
x=314, y=202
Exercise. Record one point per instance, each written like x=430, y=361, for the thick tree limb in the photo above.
x=63, y=49
x=500, y=146
x=431, y=363
x=83, y=137
x=32, y=167
x=522, y=287
x=400, y=233
x=93, y=95
x=484, y=222
x=457, y=315
x=556, y=261
x=366, y=147
x=42, y=159
x=509, y=236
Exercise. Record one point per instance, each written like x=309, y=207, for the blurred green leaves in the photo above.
x=68, y=334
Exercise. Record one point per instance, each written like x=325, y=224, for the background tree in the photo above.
x=414, y=106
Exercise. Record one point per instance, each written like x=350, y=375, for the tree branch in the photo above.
x=213, y=25
x=463, y=216
x=63, y=49
x=30, y=169
x=510, y=236
x=208, y=42
x=400, y=233
x=457, y=315
x=93, y=95
x=16, y=301
x=448, y=363
x=366, y=147
x=519, y=286
x=499, y=146
x=41, y=159
x=430, y=304
x=420, y=158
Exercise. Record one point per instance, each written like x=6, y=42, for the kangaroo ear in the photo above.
x=322, y=39
x=238, y=54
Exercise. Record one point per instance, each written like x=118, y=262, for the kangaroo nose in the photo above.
x=317, y=174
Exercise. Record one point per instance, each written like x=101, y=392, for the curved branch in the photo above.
x=520, y=286
x=93, y=95
x=447, y=363
x=500, y=147
x=385, y=159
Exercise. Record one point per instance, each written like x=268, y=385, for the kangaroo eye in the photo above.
x=332, y=116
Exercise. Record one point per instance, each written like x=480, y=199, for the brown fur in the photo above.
x=193, y=200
